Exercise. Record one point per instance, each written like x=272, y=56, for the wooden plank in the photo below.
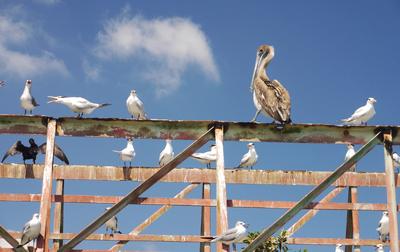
x=391, y=193
x=155, y=216
x=310, y=214
x=194, y=175
x=333, y=241
x=134, y=194
x=45, y=202
x=269, y=231
x=59, y=213
x=205, y=229
x=196, y=202
x=222, y=209
x=11, y=240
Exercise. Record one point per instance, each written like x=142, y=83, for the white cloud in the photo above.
x=167, y=45
x=48, y=2
x=22, y=64
x=92, y=72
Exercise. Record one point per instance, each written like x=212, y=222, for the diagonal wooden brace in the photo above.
x=10, y=239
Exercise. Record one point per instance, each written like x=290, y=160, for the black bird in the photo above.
x=32, y=151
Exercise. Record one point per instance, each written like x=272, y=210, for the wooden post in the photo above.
x=391, y=193
x=205, y=229
x=45, y=202
x=222, y=209
x=353, y=223
x=59, y=213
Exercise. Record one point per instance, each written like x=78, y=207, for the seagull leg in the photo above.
x=24, y=111
x=234, y=247
x=130, y=164
x=255, y=116
x=124, y=164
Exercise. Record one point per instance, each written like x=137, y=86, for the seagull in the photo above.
x=167, y=154
x=383, y=227
x=77, y=104
x=112, y=224
x=379, y=248
x=362, y=114
x=30, y=152
x=28, y=103
x=206, y=157
x=269, y=96
x=135, y=106
x=128, y=153
x=339, y=248
x=396, y=161
x=350, y=152
x=233, y=235
x=250, y=158
x=31, y=230
x=2, y=83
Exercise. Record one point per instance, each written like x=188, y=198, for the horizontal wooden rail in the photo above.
x=195, y=202
x=191, y=130
x=193, y=175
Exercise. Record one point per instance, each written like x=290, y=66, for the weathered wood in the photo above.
x=194, y=175
x=58, y=213
x=155, y=216
x=222, y=209
x=269, y=231
x=134, y=194
x=310, y=214
x=11, y=240
x=191, y=130
x=45, y=202
x=205, y=229
x=391, y=193
x=352, y=222
x=333, y=241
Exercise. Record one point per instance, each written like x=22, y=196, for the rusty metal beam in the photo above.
x=45, y=202
x=205, y=229
x=269, y=231
x=191, y=130
x=134, y=194
x=310, y=214
x=196, y=202
x=155, y=216
x=58, y=213
x=194, y=175
x=11, y=240
x=391, y=193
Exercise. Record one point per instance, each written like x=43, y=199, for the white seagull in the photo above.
x=77, y=104
x=396, y=161
x=383, y=227
x=207, y=157
x=233, y=235
x=135, y=106
x=362, y=114
x=339, y=248
x=350, y=152
x=112, y=224
x=167, y=154
x=379, y=248
x=250, y=158
x=28, y=103
x=31, y=230
x=128, y=153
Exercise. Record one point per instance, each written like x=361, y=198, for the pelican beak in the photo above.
x=256, y=65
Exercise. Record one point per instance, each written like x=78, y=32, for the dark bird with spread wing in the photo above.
x=269, y=96
x=30, y=152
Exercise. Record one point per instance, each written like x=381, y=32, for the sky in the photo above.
x=193, y=61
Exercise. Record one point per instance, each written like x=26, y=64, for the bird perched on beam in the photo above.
x=167, y=154
x=135, y=106
x=383, y=227
x=339, y=248
x=112, y=224
x=206, y=157
x=233, y=235
x=77, y=104
x=269, y=97
x=128, y=153
x=30, y=231
x=379, y=248
x=250, y=158
x=28, y=103
x=350, y=152
x=396, y=161
x=31, y=151
x=363, y=114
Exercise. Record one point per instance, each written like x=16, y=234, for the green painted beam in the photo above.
x=286, y=217
x=192, y=130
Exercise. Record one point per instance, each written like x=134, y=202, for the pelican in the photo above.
x=269, y=97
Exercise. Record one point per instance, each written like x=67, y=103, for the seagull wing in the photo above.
x=244, y=160
x=25, y=231
x=34, y=102
x=58, y=152
x=14, y=149
x=359, y=112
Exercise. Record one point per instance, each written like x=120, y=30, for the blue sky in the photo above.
x=193, y=61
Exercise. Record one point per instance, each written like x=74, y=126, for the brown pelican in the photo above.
x=270, y=97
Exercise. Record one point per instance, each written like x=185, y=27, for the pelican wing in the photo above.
x=13, y=150
x=274, y=98
x=58, y=152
